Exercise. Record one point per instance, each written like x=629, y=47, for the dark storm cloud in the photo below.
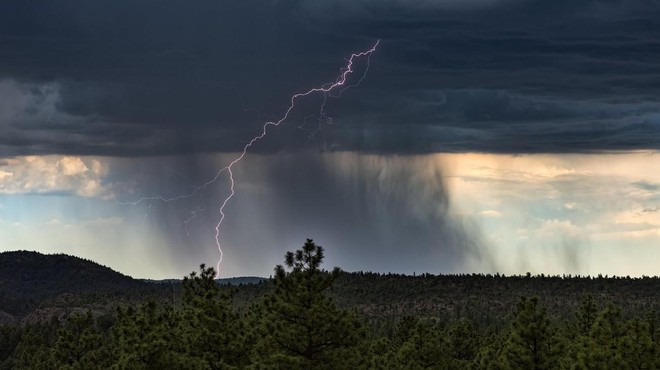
x=127, y=78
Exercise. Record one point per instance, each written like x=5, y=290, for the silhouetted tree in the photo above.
x=301, y=327
x=212, y=331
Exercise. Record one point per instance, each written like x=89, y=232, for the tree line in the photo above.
x=297, y=324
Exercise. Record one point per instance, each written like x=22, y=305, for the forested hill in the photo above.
x=28, y=278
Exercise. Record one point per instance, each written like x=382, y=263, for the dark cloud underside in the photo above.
x=131, y=78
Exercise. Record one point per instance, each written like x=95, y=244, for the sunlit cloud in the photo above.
x=564, y=213
x=54, y=174
x=490, y=213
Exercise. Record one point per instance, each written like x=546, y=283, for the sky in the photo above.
x=488, y=136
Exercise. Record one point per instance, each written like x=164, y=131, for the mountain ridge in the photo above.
x=30, y=281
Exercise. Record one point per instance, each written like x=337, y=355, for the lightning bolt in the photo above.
x=333, y=89
x=324, y=89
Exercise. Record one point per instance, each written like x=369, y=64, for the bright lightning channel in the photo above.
x=337, y=87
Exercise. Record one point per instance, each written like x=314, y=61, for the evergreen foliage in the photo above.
x=531, y=343
x=213, y=331
x=309, y=318
x=300, y=326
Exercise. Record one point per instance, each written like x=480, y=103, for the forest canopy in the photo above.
x=306, y=317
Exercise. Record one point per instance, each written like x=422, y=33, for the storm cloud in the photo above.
x=126, y=78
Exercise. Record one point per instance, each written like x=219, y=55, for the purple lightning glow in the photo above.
x=327, y=89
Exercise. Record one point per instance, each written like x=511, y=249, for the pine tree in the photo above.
x=80, y=345
x=404, y=330
x=577, y=338
x=300, y=326
x=425, y=349
x=638, y=345
x=463, y=342
x=531, y=343
x=489, y=356
x=586, y=315
x=34, y=351
x=378, y=353
x=603, y=348
x=212, y=331
x=149, y=338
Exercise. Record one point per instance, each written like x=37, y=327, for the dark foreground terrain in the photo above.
x=59, y=311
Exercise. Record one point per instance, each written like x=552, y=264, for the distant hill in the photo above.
x=38, y=284
x=241, y=280
x=234, y=281
x=29, y=278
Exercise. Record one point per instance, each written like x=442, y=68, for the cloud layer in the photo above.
x=54, y=175
x=585, y=214
x=120, y=78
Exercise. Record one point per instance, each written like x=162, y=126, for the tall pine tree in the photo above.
x=301, y=327
x=209, y=328
x=532, y=343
